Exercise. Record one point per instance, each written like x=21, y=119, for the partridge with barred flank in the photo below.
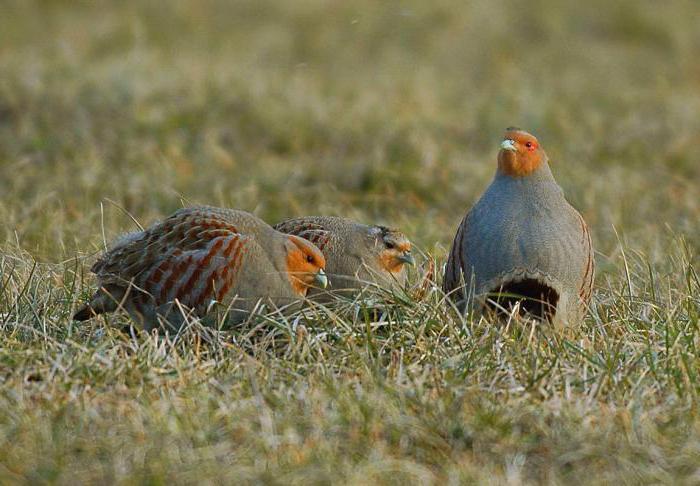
x=356, y=254
x=523, y=240
x=201, y=256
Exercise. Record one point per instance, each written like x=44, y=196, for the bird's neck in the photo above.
x=541, y=174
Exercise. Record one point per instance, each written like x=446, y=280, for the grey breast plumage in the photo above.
x=522, y=236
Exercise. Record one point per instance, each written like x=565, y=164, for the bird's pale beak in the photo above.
x=509, y=144
x=407, y=258
x=321, y=279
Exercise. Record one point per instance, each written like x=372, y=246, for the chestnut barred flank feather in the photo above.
x=523, y=242
x=201, y=256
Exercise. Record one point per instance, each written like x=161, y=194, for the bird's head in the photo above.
x=520, y=154
x=305, y=264
x=393, y=248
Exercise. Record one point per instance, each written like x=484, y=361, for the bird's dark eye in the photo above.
x=528, y=144
x=389, y=246
x=309, y=258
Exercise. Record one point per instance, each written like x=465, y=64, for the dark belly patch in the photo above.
x=536, y=299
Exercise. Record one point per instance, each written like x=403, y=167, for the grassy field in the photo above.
x=386, y=112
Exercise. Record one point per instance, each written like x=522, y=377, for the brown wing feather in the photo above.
x=196, y=277
x=453, y=269
x=308, y=228
x=194, y=256
x=189, y=229
x=586, y=288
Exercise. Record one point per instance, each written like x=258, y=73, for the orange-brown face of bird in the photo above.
x=520, y=153
x=305, y=264
x=396, y=251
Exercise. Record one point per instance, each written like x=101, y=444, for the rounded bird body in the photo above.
x=523, y=238
x=201, y=256
x=356, y=254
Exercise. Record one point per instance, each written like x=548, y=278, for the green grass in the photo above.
x=386, y=112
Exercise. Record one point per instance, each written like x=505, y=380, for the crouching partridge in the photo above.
x=356, y=254
x=198, y=257
x=523, y=240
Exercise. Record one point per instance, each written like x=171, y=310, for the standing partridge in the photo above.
x=355, y=253
x=523, y=240
x=200, y=256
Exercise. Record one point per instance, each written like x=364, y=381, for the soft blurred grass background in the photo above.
x=385, y=112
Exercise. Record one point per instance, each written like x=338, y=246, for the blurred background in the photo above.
x=386, y=112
